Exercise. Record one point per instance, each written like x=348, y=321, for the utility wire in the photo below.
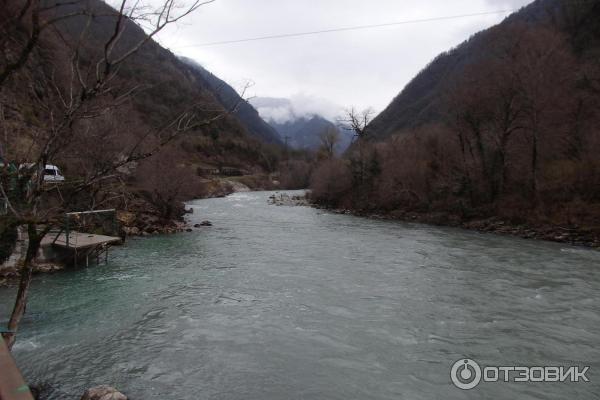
x=349, y=28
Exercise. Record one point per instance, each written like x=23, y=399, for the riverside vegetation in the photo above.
x=499, y=134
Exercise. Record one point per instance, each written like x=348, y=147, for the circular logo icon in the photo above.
x=465, y=374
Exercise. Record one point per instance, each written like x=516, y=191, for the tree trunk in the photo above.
x=534, y=163
x=466, y=175
x=534, y=157
x=24, y=283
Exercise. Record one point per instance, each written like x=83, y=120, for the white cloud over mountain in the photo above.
x=297, y=106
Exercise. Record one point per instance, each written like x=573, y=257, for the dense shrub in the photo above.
x=165, y=184
x=295, y=174
x=331, y=182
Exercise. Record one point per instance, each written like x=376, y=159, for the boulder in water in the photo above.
x=103, y=392
x=238, y=187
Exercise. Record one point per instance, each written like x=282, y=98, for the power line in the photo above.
x=350, y=28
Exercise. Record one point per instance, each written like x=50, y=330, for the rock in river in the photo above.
x=103, y=392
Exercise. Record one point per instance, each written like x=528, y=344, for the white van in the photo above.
x=51, y=172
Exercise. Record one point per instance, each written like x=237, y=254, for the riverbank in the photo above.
x=142, y=219
x=573, y=235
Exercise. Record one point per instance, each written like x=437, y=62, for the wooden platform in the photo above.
x=12, y=385
x=80, y=247
x=79, y=241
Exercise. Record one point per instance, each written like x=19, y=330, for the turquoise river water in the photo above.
x=298, y=303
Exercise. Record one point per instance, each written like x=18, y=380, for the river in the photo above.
x=297, y=303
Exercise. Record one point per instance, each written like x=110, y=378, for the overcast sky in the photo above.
x=363, y=68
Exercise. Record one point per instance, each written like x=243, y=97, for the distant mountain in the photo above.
x=169, y=85
x=422, y=100
x=229, y=97
x=303, y=130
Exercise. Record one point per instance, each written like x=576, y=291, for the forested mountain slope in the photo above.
x=162, y=87
x=230, y=98
x=422, y=100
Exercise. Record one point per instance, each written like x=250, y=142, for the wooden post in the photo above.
x=67, y=230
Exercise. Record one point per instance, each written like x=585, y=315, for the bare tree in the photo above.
x=88, y=91
x=545, y=73
x=358, y=121
x=24, y=22
x=165, y=185
x=330, y=137
x=362, y=161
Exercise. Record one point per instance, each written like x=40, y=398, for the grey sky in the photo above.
x=361, y=68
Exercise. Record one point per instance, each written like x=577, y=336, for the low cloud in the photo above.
x=279, y=115
x=297, y=106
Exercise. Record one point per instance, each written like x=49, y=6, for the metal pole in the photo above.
x=115, y=230
x=67, y=230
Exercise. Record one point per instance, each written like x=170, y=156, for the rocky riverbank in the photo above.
x=573, y=235
x=141, y=219
x=284, y=199
x=146, y=224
